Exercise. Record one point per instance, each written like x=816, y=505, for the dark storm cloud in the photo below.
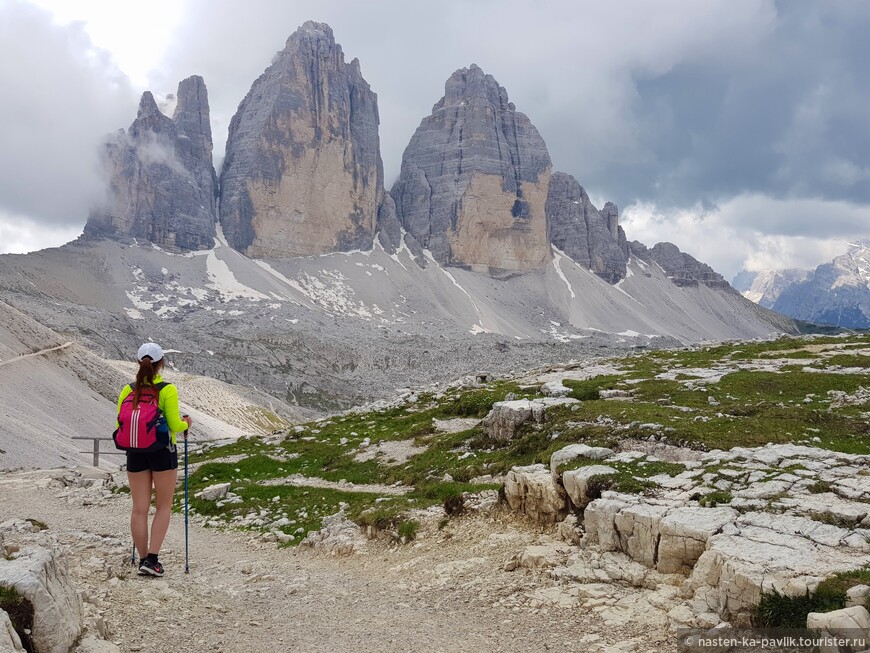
x=573, y=67
x=789, y=118
x=59, y=98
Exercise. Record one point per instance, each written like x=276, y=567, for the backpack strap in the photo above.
x=158, y=386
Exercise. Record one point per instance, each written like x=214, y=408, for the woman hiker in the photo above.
x=154, y=468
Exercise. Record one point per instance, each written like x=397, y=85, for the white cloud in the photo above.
x=21, y=235
x=61, y=96
x=751, y=232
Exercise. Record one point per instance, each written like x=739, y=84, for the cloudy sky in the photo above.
x=738, y=130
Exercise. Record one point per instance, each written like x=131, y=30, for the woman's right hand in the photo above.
x=186, y=419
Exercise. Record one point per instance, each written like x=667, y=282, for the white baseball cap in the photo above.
x=152, y=350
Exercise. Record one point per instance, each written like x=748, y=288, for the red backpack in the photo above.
x=142, y=428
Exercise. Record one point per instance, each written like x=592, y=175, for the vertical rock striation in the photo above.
x=162, y=184
x=303, y=172
x=591, y=237
x=474, y=180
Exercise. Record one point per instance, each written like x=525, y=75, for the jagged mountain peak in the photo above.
x=147, y=105
x=474, y=180
x=161, y=181
x=473, y=83
x=303, y=172
x=835, y=293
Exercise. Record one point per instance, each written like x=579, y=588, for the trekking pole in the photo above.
x=133, y=556
x=186, y=530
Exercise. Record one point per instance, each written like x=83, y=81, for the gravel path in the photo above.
x=447, y=592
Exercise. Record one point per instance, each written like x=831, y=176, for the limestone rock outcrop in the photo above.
x=10, y=642
x=590, y=237
x=39, y=575
x=505, y=416
x=531, y=491
x=474, y=180
x=162, y=185
x=303, y=172
x=849, y=624
x=684, y=270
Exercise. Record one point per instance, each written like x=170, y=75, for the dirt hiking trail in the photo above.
x=446, y=592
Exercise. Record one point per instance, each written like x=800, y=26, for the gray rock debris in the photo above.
x=161, y=182
x=339, y=536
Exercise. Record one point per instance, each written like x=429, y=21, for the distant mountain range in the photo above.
x=835, y=293
x=295, y=271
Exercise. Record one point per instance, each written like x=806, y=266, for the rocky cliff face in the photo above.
x=474, y=180
x=303, y=172
x=591, y=237
x=162, y=184
x=836, y=293
x=765, y=287
x=682, y=269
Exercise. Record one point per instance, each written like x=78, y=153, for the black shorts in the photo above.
x=162, y=460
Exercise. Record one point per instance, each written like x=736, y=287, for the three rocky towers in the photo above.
x=303, y=175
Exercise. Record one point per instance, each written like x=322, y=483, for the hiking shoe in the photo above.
x=150, y=568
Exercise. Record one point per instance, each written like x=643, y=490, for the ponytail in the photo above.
x=144, y=377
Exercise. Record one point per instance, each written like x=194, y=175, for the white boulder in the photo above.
x=857, y=595
x=576, y=482
x=504, y=418
x=213, y=492
x=531, y=491
x=574, y=451
x=851, y=624
x=555, y=389
x=339, y=536
x=760, y=553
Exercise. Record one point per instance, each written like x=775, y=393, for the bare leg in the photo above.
x=164, y=484
x=140, y=491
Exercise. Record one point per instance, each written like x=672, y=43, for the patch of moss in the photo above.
x=715, y=498
x=820, y=487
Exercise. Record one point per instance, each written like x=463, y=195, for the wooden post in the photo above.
x=96, y=450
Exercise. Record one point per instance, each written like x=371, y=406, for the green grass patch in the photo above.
x=408, y=529
x=477, y=403
x=849, y=360
x=590, y=389
x=743, y=408
x=777, y=610
x=715, y=498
